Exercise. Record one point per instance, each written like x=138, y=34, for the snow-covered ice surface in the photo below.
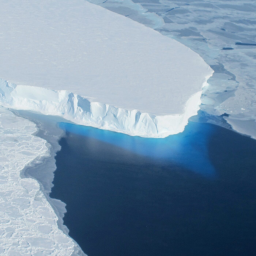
x=28, y=223
x=102, y=56
x=223, y=32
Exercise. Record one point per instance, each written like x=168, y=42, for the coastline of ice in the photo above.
x=28, y=222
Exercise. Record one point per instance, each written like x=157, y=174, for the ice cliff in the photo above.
x=83, y=111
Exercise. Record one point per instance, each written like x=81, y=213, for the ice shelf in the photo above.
x=91, y=66
x=99, y=55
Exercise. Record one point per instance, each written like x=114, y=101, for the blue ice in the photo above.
x=188, y=149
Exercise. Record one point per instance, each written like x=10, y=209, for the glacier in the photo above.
x=90, y=66
x=99, y=55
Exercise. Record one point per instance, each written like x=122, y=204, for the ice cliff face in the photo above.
x=85, y=112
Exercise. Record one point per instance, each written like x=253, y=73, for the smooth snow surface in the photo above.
x=92, y=52
x=28, y=224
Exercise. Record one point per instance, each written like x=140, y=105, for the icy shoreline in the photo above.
x=29, y=225
x=42, y=170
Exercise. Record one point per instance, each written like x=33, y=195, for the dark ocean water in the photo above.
x=192, y=194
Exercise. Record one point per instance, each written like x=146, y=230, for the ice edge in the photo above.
x=82, y=111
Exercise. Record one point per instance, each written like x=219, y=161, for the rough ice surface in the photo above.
x=28, y=223
x=224, y=34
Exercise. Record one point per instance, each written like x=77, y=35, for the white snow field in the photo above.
x=110, y=60
x=28, y=224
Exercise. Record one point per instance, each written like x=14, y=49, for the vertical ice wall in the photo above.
x=82, y=111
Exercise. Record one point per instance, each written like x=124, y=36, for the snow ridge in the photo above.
x=82, y=111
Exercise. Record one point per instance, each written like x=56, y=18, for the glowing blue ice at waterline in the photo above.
x=188, y=149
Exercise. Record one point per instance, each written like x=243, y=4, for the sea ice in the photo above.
x=28, y=224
